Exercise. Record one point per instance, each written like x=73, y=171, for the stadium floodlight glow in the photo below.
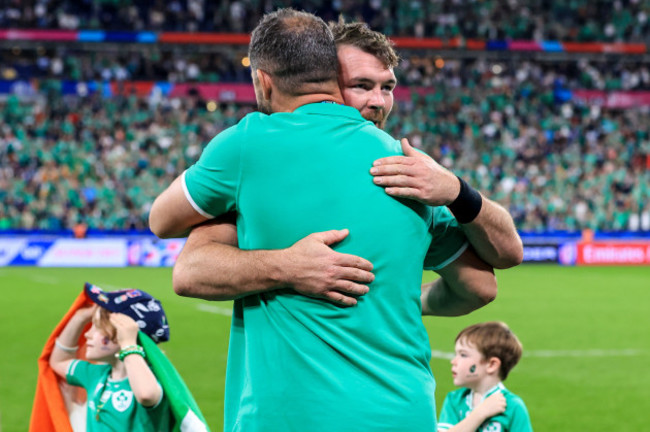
x=246, y=62
x=9, y=73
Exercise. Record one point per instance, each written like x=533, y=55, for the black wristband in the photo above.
x=467, y=204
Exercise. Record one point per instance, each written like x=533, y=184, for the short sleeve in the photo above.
x=83, y=374
x=210, y=185
x=448, y=415
x=520, y=418
x=448, y=240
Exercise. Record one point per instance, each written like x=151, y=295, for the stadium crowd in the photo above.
x=505, y=127
x=555, y=163
x=67, y=62
x=578, y=20
x=100, y=162
x=509, y=126
x=225, y=65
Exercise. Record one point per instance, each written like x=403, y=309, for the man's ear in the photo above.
x=493, y=365
x=266, y=83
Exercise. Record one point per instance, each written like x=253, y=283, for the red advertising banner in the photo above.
x=430, y=43
x=613, y=99
x=139, y=88
x=613, y=253
x=520, y=45
x=204, y=38
x=47, y=35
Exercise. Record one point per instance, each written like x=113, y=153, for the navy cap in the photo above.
x=139, y=305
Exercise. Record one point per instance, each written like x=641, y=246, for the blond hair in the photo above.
x=103, y=323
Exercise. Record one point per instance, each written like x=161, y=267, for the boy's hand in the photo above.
x=127, y=329
x=493, y=405
x=85, y=315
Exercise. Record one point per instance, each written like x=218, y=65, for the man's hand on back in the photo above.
x=313, y=268
x=416, y=176
x=212, y=267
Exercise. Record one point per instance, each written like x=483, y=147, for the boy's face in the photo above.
x=99, y=346
x=468, y=367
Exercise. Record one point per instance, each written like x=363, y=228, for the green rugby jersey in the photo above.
x=301, y=364
x=458, y=404
x=111, y=405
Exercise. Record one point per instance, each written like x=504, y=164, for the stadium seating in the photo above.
x=554, y=164
x=578, y=20
x=562, y=142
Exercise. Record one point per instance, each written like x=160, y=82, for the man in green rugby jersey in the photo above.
x=296, y=363
x=211, y=267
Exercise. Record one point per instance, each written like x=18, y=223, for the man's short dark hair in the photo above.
x=295, y=48
x=359, y=35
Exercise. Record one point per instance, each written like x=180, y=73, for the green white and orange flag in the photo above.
x=53, y=409
x=186, y=413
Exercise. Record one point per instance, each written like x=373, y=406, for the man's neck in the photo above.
x=289, y=103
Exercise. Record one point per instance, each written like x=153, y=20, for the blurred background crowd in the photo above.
x=581, y=20
x=505, y=123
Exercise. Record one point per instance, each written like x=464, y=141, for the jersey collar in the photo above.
x=470, y=395
x=330, y=109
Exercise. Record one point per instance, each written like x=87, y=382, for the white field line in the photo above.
x=53, y=280
x=561, y=353
x=50, y=280
x=586, y=353
x=448, y=356
x=112, y=287
x=214, y=309
x=42, y=279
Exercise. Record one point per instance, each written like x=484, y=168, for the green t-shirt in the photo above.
x=112, y=405
x=458, y=404
x=296, y=363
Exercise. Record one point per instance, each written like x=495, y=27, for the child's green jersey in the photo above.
x=112, y=405
x=458, y=404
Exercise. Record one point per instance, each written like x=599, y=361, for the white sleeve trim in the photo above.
x=71, y=367
x=444, y=426
x=451, y=259
x=194, y=205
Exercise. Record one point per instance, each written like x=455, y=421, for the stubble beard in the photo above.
x=379, y=120
x=378, y=117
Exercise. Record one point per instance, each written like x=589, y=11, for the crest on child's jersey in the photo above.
x=492, y=427
x=121, y=400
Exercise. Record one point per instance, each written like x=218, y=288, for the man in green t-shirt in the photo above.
x=210, y=269
x=296, y=363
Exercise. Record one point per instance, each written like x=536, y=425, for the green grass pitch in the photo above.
x=585, y=333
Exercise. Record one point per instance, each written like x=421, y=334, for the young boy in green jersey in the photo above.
x=123, y=392
x=485, y=354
